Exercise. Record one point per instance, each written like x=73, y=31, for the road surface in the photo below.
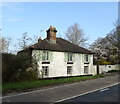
x=59, y=92
x=108, y=94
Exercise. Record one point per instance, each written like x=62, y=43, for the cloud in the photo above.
x=13, y=20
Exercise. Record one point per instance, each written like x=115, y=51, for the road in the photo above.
x=108, y=94
x=60, y=92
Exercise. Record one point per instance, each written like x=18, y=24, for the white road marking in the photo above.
x=85, y=93
x=39, y=90
x=42, y=90
x=104, y=89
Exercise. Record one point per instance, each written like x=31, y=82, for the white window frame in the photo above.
x=69, y=70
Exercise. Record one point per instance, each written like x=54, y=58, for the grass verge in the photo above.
x=24, y=86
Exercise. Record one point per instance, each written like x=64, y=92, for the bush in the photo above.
x=104, y=62
x=14, y=68
x=110, y=71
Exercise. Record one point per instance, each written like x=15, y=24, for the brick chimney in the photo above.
x=51, y=34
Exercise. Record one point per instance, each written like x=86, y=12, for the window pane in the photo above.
x=70, y=57
x=45, y=56
x=45, y=70
x=85, y=69
x=86, y=58
x=69, y=69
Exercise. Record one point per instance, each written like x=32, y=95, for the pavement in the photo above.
x=60, y=92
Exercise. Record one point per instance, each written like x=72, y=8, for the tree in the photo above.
x=75, y=35
x=25, y=41
x=107, y=48
x=118, y=42
x=4, y=44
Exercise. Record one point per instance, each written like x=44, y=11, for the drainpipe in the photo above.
x=97, y=68
x=98, y=65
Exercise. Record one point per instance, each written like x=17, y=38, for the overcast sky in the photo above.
x=96, y=18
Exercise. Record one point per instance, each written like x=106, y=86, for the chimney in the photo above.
x=39, y=40
x=51, y=34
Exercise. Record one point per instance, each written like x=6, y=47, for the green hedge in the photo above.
x=14, y=68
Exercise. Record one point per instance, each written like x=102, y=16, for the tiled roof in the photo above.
x=61, y=45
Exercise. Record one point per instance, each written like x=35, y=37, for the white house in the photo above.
x=57, y=57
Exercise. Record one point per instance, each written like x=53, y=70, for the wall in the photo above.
x=94, y=70
x=104, y=68
x=58, y=65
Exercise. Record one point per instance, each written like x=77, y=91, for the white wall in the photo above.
x=104, y=68
x=58, y=66
x=94, y=70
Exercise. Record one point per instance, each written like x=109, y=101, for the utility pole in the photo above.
x=118, y=34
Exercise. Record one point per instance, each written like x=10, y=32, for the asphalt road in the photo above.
x=60, y=92
x=108, y=94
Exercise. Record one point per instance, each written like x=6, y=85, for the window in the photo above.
x=69, y=69
x=86, y=58
x=86, y=69
x=45, y=70
x=45, y=56
x=70, y=55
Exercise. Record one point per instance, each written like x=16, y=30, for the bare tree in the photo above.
x=4, y=44
x=75, y=35
x=35, y=38
x=25, y=41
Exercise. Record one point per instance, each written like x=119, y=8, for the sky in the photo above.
x=95, y=18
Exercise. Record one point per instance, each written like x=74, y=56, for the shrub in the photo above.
x=110, y=71
x=104, y=62
x=14, y=68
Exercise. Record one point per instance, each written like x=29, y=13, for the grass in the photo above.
x=24, y=86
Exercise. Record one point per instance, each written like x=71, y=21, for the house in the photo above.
x=57, y=57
